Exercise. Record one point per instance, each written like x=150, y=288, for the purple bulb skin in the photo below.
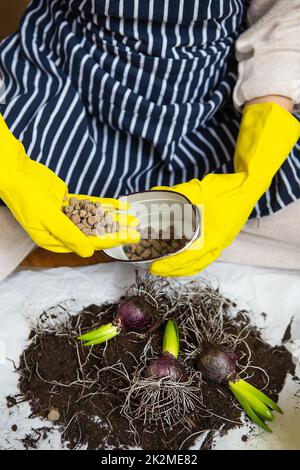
x=218, y=365
x=166, y=366
x=134, y=314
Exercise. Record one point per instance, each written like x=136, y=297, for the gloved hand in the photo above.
x=35, y=194
x=267, y=134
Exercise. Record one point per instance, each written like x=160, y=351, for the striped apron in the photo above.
x=117, y=96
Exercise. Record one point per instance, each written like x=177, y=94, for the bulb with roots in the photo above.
x=166, y=392
x=133, y=314
x=219, y=366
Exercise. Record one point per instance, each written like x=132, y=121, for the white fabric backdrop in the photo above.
x=25, y=294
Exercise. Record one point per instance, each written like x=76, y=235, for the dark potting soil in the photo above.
x=288, y=332
x=31, y=441
x=58, y=372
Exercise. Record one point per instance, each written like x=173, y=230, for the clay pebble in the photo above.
x=92, y=219
x=155, y=244
x=53, y=415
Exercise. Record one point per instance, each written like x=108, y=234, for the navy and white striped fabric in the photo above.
x=117, y=96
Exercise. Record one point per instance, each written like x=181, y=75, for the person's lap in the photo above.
x=272, y=241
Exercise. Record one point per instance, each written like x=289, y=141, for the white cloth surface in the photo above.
x=24, y=295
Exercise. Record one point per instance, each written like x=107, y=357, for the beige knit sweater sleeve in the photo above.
x=268, y=52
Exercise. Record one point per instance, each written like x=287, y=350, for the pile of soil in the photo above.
x=58, y=372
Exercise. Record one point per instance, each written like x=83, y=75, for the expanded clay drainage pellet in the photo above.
x=92, y=219
x=155, y=244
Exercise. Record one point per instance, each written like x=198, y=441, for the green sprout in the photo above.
x=171, y=339
x=167, y=365
x=100, y=335
x=255, y=403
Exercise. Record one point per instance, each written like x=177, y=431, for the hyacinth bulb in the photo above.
x=217, y=365
x=166, y=366
x=135, y=314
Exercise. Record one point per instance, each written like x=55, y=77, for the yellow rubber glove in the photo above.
x=35, y=194
x=267, y=134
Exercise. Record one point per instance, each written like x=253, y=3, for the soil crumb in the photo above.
x=287, y=334
x=31, y=441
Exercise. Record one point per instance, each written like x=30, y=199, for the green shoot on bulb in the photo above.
x=256, y=404
x=171, y=339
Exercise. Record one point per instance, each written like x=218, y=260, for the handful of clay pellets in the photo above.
x=91, y=218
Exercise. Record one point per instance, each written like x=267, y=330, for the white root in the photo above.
x=154, y=290
x=162, y=402
x=205, y=317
